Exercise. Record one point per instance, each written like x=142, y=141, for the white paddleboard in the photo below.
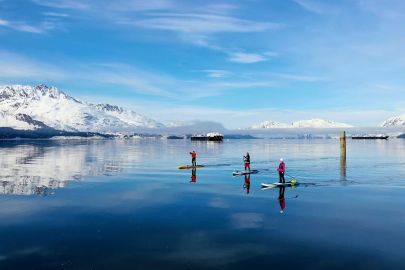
x=244, y=172
x=277, y=184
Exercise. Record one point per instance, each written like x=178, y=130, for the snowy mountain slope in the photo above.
x=270, y=124
x=61, y=111
x=398, y=121
x=319, y=123
x=312, y=123
x=20, y=121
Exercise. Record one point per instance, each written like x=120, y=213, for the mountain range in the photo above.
x=398, y=121
x=33, y=108
x=30, y=108
x=312, y=123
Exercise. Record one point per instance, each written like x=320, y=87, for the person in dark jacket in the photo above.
x=246, y=160
x=193, y=158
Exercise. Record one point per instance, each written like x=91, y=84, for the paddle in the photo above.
x=293, y=180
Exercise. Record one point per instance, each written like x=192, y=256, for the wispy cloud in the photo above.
x=164, y=85
x=129, y=77
x=391, y=10
x=63, y=4
x=317, y=6
x=4, y=22
x=199, y=23
x=199, y=26
x=216, y=73
x=24, y=27
x=136, y=79
x=56, y=14
x=249, y=57
x=14, y=66
x=221, y=8
x=246, y=58
x=141, y=5
x=299, y=77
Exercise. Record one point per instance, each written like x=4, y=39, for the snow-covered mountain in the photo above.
x=270, y=124
x=177, y=124
x=398, y=121
x=319, y=123
x=312, y=123
x=27, y=107
x=20, y=121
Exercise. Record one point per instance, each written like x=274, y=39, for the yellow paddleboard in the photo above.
x=188, y=167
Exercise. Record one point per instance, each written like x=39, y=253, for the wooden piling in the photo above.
x=342, y=140
x=343, y=145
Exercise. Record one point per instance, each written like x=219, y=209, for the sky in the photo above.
x=235, y=62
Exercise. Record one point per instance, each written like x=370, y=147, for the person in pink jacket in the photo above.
x=281, y=171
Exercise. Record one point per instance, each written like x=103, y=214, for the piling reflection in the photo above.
x=343, y=168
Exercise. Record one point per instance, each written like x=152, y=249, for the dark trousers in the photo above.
x=193, y=162
x=281, y=177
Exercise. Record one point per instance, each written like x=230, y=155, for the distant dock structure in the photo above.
x=212, y=137
x=370, y=137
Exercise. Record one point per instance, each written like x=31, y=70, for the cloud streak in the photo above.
x=200, y=23
x=216, y=73
x=152, y=83
x=14, y=66
x=193, y=24
x=63, y=4
x=24, y=27
x=246, y=58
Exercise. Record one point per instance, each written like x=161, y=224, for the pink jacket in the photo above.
x=281, y=167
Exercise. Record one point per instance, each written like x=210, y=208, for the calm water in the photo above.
x=124, y=205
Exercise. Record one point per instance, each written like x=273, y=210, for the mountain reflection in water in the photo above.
x=37, y=167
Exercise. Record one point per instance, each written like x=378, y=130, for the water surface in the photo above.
x=122, y=204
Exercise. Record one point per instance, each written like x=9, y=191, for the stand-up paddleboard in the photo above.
x=235, y=173
x=188, y=167
x=277, y=184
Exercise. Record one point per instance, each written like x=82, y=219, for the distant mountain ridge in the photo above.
x=312, y=123
x=397, y=121
x=270, y=124
x=41, y=106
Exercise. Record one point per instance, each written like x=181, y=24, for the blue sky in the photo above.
x=235, y=62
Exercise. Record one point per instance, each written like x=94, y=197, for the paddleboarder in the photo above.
x=193, y=158
x=281, y=171
x=246, y=160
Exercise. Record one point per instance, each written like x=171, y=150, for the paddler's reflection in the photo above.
x=281, y=199
x=246, y=185
x=193, y=175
